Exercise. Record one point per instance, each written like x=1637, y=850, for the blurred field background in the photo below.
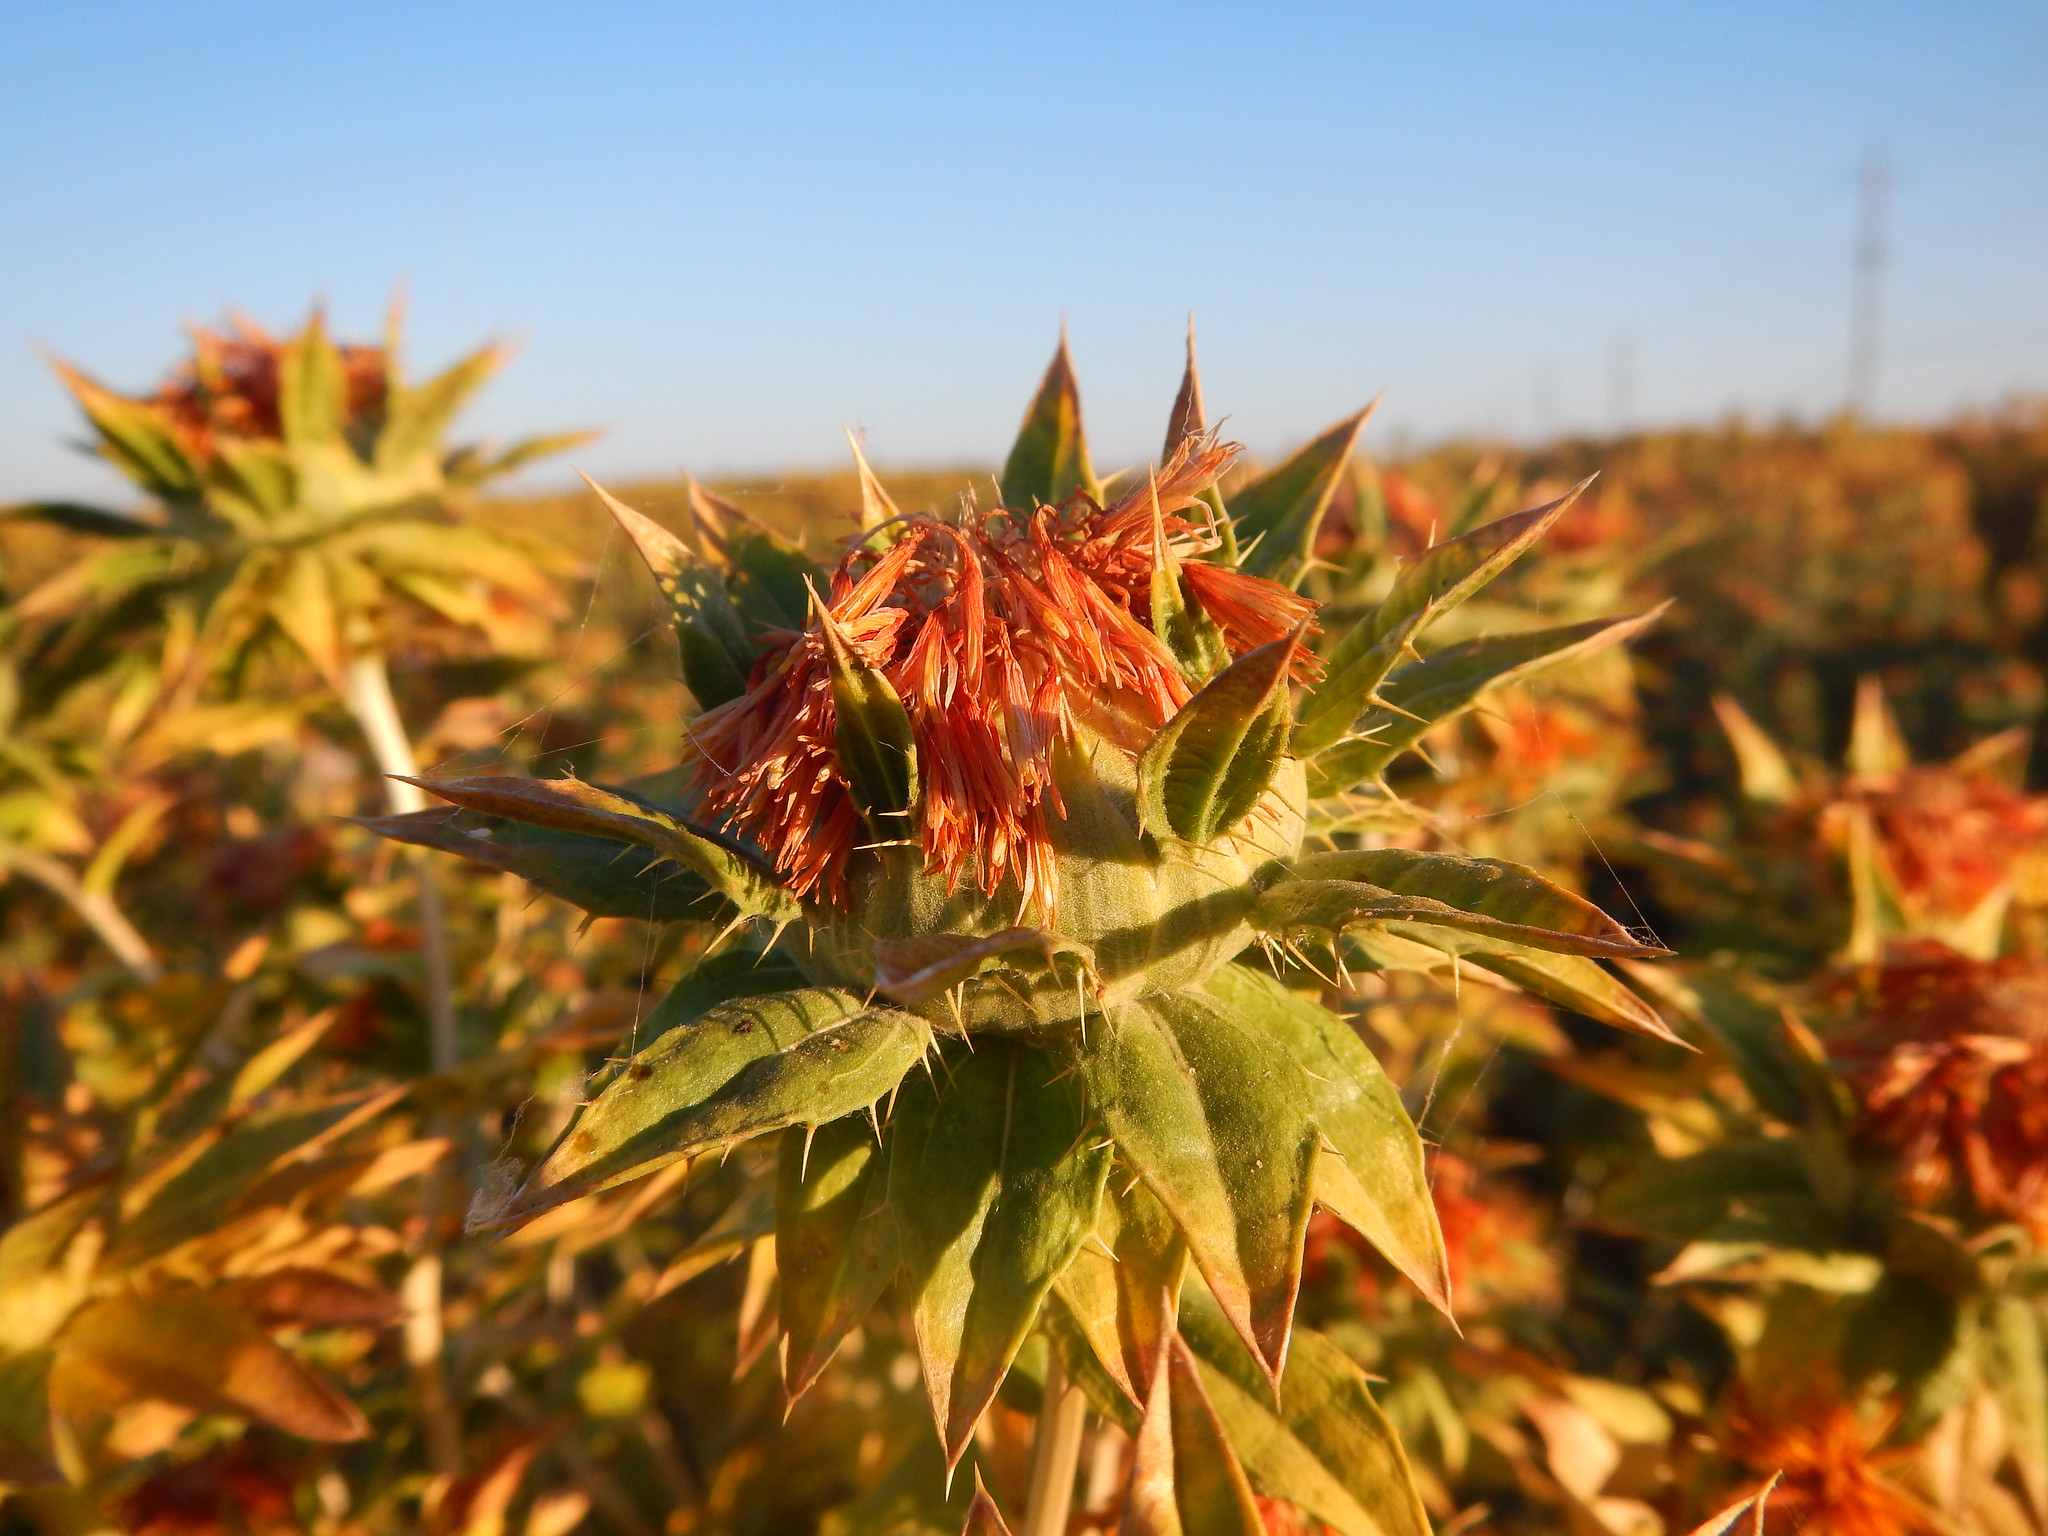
x=1776, y=280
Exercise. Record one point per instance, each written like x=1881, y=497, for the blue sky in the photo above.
x=720, y=233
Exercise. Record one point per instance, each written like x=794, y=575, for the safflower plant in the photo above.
x=1036, y=834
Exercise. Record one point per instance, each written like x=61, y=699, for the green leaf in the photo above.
x=835, y=1241
x=1571, y=981
x=1327, y=1448
x=871, y=738
x=312, y=390
x=1448, y=682
x=994, y=1183
x=715, y=649
x=1446, y=574
x=1277, y=515
x=1750, y=1032
x=744, y=1069
x=571, y=805
x=770, y=579
x=477, y=470
x=1185, y=1477
x=1767, y=774
x=1123, y=1301
x=1370, y=1173
x=1207, y=768
x=604, y=877
x=1049, y=461
x=725, y=977
x=198, y=1347
x=203, y=1191
x=983, y=1518
x=2020, y=1378
x=135, y=436
x=39, y=1285
x=1486, y=896
x=1221, y=1129
x=1349, y=687
x=417, y=418
x=1681, y=1198
x=76, y=517
x=26, y=1452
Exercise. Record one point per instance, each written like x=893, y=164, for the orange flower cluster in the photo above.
x=1949, y=1058
x=229, y=387
x=1950, y=837
x=1832, y=1478
x=1001, y=633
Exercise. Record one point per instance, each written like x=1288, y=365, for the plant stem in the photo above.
x=100, y=914
x=1055, y=1454
x=370, y=701
x=368, y=694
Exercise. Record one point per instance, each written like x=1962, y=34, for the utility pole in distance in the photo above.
x=1866, y=311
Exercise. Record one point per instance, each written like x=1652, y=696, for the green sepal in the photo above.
x=1049, y=460
x=1339, y=904
x=1327, y=1448
x=1182, y=625
x=1492, y=896
x=745, y=1069
x=1188, y=421
x=871, y=737
x=835, y=1241
x=1370, y=1172
x=994, y=1179
x=1278, y=514
x=1221, y=1129
x=1449, y=682
x=1186, y=1479
x=571, y=805
x=916, y=970
x=1206, y=768
x=716, y=653
x=770, y=579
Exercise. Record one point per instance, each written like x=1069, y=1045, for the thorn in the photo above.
x=803, y=1167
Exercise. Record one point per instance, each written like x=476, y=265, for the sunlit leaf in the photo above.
x=1370, y=1171
x=571, y=805
x=744, y=1069
x=835, y=1241
x=1185, y=1476
x=1220, y=1127
x=994, y=1183
x=1326, y=1447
